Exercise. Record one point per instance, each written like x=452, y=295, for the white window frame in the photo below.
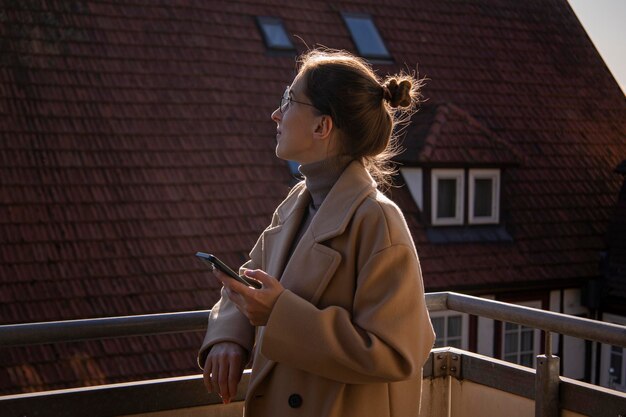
x=457, y=174
x=464, y=326
x=536, y=332
x=414, y=178
x=494, y=175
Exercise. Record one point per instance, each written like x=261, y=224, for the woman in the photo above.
x=340, y=327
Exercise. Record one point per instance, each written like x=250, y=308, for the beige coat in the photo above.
x=350, y=334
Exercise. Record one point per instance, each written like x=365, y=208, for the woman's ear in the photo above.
x=324, y=127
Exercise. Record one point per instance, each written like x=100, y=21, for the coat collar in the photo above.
x=333, y=216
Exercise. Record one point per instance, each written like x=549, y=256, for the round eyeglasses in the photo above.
x=285, y=100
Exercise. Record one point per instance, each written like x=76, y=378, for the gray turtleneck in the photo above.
x=320, y=177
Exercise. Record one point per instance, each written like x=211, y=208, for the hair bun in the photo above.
x=397, y=95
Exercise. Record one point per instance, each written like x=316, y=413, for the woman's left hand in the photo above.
x=255, y=304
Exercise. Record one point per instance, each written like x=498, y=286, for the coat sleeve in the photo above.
x=387, y=337
x=226, y=323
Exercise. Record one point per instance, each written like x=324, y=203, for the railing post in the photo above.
x=547, y=382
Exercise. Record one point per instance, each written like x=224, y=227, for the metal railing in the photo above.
x=547, y=379
x=150, y=324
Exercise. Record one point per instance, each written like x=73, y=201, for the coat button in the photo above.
x=295, y=401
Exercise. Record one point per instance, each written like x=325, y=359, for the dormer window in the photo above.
x=456, y=183
x=447, y=196
x=274, y=33
x=368, y=41
x=458, y=204
x=484, y=196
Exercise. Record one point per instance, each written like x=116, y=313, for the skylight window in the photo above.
x=274, y=33
x=366, y=37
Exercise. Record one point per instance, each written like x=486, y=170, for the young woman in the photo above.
x=340, y=327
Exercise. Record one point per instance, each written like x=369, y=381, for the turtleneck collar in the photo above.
x=320, y=176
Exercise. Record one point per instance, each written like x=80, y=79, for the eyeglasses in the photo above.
x=285, y=100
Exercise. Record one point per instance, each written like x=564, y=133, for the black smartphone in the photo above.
x=215, y=263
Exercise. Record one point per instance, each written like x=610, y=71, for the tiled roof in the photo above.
x=446, y=134
x=616, y=252
x=136, y=133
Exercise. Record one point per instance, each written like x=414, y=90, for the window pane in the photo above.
x=438, y=326
x=446, y=198
x=276, y=35
x=483, y=194
x=527, y=340
x=526, y=360
x=510, y=358
x=366, y=36
x=454, y=326
x=510, y=326
x=510, y=343
x=616, y=364
x=454, y=343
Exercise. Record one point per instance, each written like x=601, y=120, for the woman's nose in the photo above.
x=276, y=115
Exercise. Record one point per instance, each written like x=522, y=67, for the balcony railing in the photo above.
x=454, y=378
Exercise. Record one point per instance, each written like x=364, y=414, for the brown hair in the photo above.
x=366, y=110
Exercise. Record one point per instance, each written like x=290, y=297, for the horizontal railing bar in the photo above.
x=151, y=324
x=437, y=301
x=583, y=328
x=590, y=400
x=156, y=395
x=494, y=373
x=101, y=328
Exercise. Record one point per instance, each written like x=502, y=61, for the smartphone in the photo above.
x=215, y=263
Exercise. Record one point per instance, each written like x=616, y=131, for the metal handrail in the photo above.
x=102, y=328
x=549, y=321
x=150, y=324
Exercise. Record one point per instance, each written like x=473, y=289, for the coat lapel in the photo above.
x=312, y=265
x=277, y=240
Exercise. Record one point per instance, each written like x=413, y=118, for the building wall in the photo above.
x=605, y=359
x=574, y=350
x=484, y=342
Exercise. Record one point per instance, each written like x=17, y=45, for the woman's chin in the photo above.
x=282, y=153
x=277, y=150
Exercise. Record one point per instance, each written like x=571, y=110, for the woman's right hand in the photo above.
x=223, y=369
